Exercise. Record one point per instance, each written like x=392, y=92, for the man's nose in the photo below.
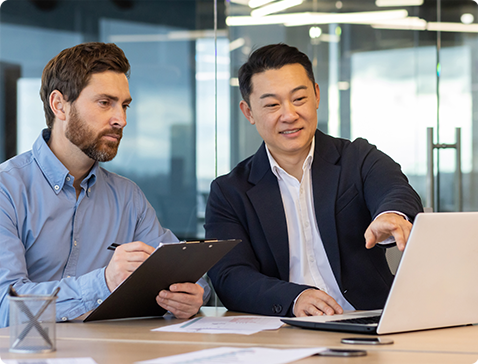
x=289, y=112
x=119, y=117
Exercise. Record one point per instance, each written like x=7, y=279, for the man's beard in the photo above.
x=94, y=147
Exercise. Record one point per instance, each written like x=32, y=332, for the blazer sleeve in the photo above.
x=385, y=187
x=243, y=281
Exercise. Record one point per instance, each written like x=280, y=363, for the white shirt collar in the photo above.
x=276, y=168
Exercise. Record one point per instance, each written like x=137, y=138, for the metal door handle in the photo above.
x=431, y=165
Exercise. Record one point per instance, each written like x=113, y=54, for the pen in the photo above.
x=113, y=246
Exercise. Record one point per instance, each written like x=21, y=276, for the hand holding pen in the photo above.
x=113, y=246
x=126, y=258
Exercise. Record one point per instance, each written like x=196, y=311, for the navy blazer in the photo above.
x=352, y=182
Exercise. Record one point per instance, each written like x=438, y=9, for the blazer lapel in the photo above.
x=325, y=179
x=267, y=201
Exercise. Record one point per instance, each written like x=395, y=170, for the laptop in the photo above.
x=434, y=287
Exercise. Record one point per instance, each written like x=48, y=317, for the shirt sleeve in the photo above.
x=77, y=295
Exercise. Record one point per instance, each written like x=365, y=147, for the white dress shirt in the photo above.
x=308, y=262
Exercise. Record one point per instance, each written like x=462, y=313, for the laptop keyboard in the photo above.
x=360, y=320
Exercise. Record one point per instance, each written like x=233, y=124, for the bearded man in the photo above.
x=59, y=210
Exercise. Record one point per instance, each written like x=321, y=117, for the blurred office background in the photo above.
x=388, y=70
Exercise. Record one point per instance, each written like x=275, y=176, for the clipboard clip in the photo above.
x=200, y=241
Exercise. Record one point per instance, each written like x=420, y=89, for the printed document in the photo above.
x=245, y=325
x=237, y=356
x=49, y=361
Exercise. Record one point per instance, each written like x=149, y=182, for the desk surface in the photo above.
x=131, y=352
x=130, y=341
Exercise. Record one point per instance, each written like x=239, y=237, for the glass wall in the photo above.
x=180, y=71
x=387, y=70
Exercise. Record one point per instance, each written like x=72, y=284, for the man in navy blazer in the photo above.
x=309, y=208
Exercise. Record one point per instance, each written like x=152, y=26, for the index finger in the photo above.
x=401, y=235
x=191, y=288
x=329, y=300
x=137, y=246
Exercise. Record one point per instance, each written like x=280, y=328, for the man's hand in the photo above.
x=387, y=225
x=126, y=259
x=313, y=302
x=183, y=300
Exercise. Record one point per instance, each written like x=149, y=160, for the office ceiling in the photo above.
x=82, y=15
x=189, y=14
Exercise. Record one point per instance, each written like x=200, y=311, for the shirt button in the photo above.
x=74, y=243
x=89, y=189
x=68, y=276
x=100, y=301
x=64, y=319
x=68, y=179
x=57, y=187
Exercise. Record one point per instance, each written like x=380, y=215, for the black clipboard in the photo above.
x=170, y=263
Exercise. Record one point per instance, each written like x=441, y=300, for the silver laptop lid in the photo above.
x=436, y=281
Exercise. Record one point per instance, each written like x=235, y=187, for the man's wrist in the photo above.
x=392, y=212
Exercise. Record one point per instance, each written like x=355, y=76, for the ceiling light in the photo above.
x=368, y=17
x=409, y=23
x=331, y=38
x=233, y=21
x=183, y=35
x=467, y=18
x=383, y=3
x=240, y=2
x=256, y=3
x=234, y=81
x=453, y=27
x=343, y=85
x=297, y=19
x=276, y=7
x=315, y=32
x=235, y=44
x=431, y=26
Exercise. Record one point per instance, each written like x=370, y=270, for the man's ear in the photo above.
x=317, y=95
x=58, y=104
x=246, y=110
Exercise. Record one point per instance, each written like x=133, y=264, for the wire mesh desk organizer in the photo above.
x=32, y=322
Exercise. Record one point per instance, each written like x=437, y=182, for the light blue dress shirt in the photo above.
x=49, y=238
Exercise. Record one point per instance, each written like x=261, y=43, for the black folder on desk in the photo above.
x=170, y=263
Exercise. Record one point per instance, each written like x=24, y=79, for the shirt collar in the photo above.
x=53, y=170
x=277, y=169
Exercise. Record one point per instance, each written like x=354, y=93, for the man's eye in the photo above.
x=104, y=103
x=271, y=105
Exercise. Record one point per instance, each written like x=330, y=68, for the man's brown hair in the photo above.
x=70, y=71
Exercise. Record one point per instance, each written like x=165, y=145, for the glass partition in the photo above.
x=388, y=70
x=178, y=59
